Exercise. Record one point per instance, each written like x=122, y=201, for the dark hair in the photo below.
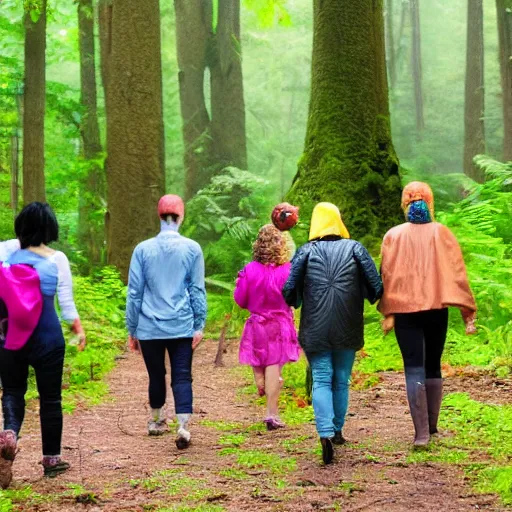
x=36, y=224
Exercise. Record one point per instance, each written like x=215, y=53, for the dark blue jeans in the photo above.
x=48, y=367
x=180, y=354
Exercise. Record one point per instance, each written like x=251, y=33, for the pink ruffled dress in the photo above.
x=269, y=335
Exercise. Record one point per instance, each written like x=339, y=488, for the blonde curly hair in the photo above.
x=270, y=246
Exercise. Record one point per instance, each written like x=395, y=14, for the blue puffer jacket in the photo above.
x=330, y=278
x=166, y=289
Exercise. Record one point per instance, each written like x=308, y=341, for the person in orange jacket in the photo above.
x=423, y=274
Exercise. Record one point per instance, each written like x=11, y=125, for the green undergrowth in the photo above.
x=175, y=483
x=481, y=443
x=207, y=507
x=273, y=463
x=100, y=300
x=11, y=499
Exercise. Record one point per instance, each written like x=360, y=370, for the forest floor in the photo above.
x=233, y=464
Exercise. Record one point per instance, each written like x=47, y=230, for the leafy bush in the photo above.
x=225, y=218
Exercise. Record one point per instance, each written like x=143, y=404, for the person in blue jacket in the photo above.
x=166, y=312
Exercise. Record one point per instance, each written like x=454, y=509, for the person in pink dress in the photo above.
x=269, y=339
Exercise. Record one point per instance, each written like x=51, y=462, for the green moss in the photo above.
x=349, y=158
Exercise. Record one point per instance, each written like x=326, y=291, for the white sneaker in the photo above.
x=183, y=439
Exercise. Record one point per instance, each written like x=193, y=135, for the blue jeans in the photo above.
x=331, y=380
x=180, y=354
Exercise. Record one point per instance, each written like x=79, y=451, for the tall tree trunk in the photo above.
x=194, y=32
x=105, y=33
x=349, y=157
x=474, y=134
x=227, y=91
x=105, y=37
x=404, y=11
x=135, y=130
x=390, y=43
x=34, y=104
x=91, y=229
x=416, y=66
x=504, y=8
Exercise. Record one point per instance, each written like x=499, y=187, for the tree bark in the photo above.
x=105, y=38
x=417, y=67
x=194, y=32
x=14, y=173
x=349, y=157
x=227, y=92
x=474, y=133
x=105, y=31
x=34, y=106
x=390, y=43
x=91, y=228
x=504, y=11
x=135, y=131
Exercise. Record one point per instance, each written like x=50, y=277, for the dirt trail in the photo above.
x=116, y=467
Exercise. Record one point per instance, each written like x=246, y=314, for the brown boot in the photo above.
x=434, y=400
x=417, y=397
x=8, y=444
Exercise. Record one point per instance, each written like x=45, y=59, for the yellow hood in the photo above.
x=325, y=221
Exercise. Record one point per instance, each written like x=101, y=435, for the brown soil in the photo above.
x=116, y=463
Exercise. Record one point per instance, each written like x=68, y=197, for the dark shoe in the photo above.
x=338, y=438
x=8, y=444
x=417, y=398
x=54, y=466
x=434, y=400
x=327, y=450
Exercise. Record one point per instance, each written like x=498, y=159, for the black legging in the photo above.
x=421, y=337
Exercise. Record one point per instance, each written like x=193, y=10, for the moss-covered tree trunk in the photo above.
x=34, y=102
x=91, y=228
x=349, y=157
x=227, y=90
x=417, y=67
x=474, y=133
x=504, y=12
x=135, y=130
x=194, y=32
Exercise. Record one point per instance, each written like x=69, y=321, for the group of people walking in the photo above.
x=422, y=274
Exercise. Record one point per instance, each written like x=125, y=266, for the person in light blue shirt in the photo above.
x=166, y=312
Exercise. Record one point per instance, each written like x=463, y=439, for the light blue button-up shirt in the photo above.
x=166, y=290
